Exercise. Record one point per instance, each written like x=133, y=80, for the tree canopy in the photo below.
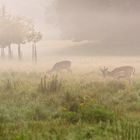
x=6, y=32
x=16, y=30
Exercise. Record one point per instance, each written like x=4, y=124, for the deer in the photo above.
x=120, y=72
x=62, y=65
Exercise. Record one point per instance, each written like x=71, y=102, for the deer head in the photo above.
x=104, y=71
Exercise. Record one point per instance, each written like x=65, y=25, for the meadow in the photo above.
x=78, y=106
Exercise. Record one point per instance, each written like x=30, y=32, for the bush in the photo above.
x=91, y=113
x=96, y=113
x=70, y=101
x=71, y=117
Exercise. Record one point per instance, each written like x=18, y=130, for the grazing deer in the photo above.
x=120, y=72
x=59, y=66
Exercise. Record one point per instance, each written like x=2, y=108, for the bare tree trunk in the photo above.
x=2, y=52
x=35, y=54
x=10, y=55
x=19, y=52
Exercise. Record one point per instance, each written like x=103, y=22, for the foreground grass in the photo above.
x=38, y=107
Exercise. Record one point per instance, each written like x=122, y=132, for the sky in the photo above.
x=114, y=25
x=34, y=10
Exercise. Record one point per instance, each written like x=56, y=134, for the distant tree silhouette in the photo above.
x=21, y=29
x=5, y=35
x=17, y=30
x=34, y=37
x=5, y=32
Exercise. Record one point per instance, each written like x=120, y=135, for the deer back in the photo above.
x=61, y=65
x=123, y=71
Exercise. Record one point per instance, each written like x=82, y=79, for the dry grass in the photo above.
x=78, y=106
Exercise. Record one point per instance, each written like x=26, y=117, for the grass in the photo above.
x=34, y=106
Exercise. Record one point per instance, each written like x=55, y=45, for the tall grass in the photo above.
x=39, y=107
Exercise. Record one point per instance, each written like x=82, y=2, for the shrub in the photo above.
x=71, y=101
x=96, y=113
x=71, y=117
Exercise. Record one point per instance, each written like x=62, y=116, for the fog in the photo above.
x=112, y=25
x=88, y=28
x=69, y=69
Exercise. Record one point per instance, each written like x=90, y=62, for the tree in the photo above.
x=17, y=30
x=34, y=37
x=6, y=35
x=21, y=29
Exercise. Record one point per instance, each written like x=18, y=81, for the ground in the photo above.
x=81, y=106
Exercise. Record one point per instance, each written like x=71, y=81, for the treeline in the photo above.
x=99, y=4
x=17, y=30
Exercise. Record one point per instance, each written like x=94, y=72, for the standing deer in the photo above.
x=120, y=72
x=59, y=66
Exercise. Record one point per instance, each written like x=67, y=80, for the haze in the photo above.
x=111, y=25
x=82, y=27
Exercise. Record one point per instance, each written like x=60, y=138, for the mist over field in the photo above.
x=80, y=31
x=112, y=26
x=69, y=70
x=91, y=34
x=83, y=27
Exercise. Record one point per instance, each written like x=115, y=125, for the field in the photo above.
x=81, y=106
